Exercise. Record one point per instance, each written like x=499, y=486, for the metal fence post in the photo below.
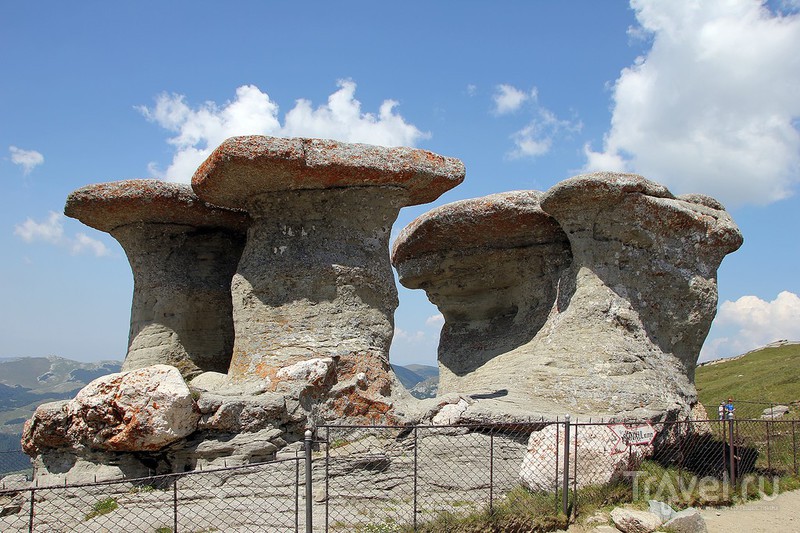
x=769, y=458
x=575, y=477
x=296, y=492
x=309, y=497
x=175, y=505
x=491, y=473
x=30, y=518
x=794, y=448
x=565, y=478
x=327, y=473
x=732, y=454
x=415, y=478
x=555, y=481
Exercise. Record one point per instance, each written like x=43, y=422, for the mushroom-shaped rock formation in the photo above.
x=633, y=307
x=491, y=265
x=314, y=282
x=183, y=253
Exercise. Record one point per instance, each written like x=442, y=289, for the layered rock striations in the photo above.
x=183, y=253
x=491, y=265
x=631, y=311
x=314, y=295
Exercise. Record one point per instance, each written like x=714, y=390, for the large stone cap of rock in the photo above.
x=106, y=206
x=243, y=167
x=595, y=203
x=598, y=189
x=505, y=220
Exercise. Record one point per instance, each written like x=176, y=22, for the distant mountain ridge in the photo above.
x=27, y=382
x=422, y=381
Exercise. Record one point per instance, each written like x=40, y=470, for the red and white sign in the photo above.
x=632, y=435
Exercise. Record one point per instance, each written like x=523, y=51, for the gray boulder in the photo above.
x=314, y=281
x=661, y=509
x=687, y=521
x=775, y=412
x=141, y=410
x=633, y=521
x=183, y=253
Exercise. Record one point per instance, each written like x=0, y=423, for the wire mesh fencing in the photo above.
x=538, y=475
x=525, y=476
x=258, y=497
x=15, y=462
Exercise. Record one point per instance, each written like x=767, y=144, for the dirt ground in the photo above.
x=781, y=514
x=773, y=515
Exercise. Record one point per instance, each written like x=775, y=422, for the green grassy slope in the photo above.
x=766, y=375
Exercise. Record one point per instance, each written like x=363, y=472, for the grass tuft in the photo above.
x=102, y=507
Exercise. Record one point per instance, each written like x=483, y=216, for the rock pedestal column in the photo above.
x=644, y=260
x=313, y=295
x=491, y=265
x=633, y=308
x=183, y=253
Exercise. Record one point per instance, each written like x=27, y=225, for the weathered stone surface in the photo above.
x=48, y=428
x=183, y=253
x=314, y=280
x=661, y=510
x=687, y=521
x=491, y=265
x=639, y=296
x=632, y=310
x=700, y=421
x=603, y=457
x=256, y=164
x=633, y=521
x=227, y=449
x=68, y=465
x=140, y=410
x=244, y=414
x=450, y=413
x=777, y=411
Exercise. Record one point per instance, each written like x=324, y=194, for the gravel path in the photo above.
x=781, y=514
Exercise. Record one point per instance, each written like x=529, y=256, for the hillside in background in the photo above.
x=26, y=382
x=769, y=374
x=420, y=380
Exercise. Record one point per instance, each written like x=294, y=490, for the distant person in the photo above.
x=729, y=409
x=721, y=411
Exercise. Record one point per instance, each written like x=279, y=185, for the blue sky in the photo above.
x=701, y=96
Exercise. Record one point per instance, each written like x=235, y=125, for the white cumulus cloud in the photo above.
x=508, y=98
x=27, y=159
x=712, y=106
x=752, y=322
x=537, y=136
x=435, y=320
x=199, y=130
x=51, y=230
x=409, y=337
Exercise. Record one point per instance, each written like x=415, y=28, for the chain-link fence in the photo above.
x=15, y=462
x=525, y=476
x=539, y=475
x=253, y=498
